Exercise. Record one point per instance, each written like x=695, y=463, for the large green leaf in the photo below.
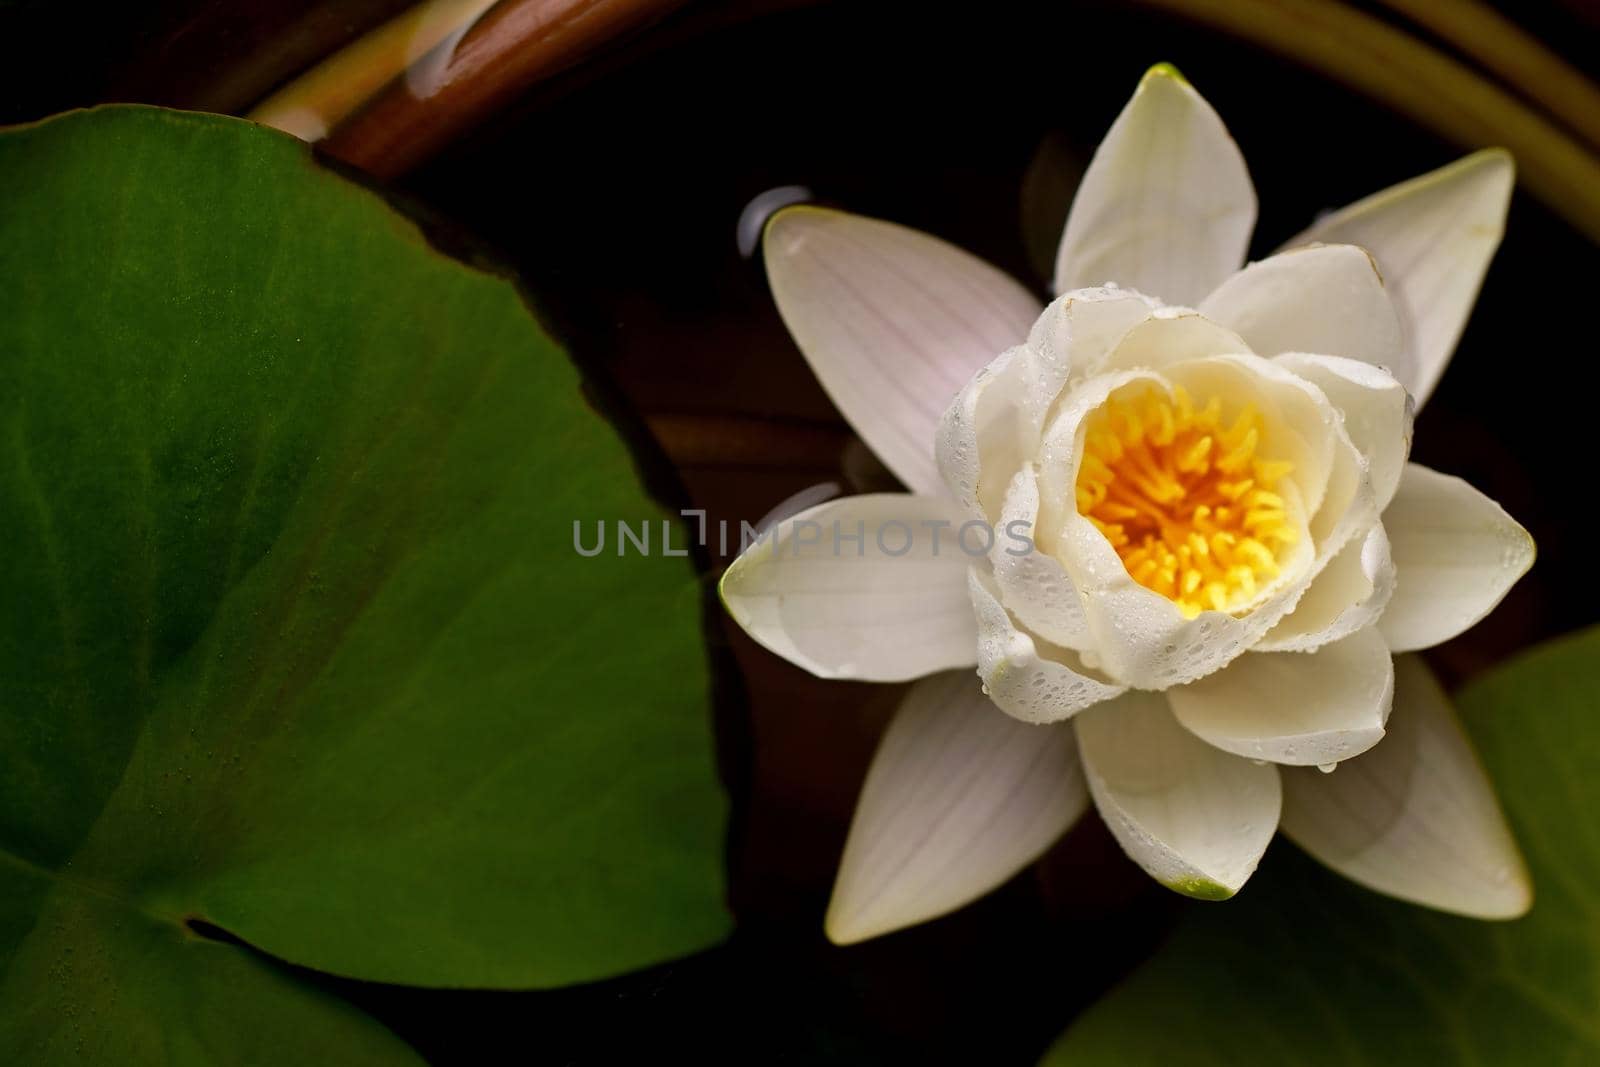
x=293, y=639
x=1304, y=969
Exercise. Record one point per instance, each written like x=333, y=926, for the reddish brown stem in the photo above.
x=515, y=45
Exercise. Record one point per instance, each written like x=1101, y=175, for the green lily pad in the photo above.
x=294, y=640
x=1304, y=969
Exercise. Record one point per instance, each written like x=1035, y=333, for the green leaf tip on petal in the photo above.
x=1165, y=70
x=1201, y=889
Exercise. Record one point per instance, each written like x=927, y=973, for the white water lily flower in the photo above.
x=1228, y=544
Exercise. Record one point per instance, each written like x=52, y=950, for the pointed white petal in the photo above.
x=1433, y=237
x=1349, y=595
x=1377, y=413
x=1166, y=206
x=960, y=797
x=1034, y=585
x=1416, y=817
x=995, y=422
x=1327, y=299
x=894, y=322
x=861, y=587
x=1302, y=708
x=1196, y=818
x=1456, y=554
x=1029, y=679
x=1324, y=298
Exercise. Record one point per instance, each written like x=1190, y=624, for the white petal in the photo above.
x=1077, y=331
x=1349, y=507
x=1025, y=678
x=1140, y=637
x=1175, y=335
x=1327, y=299
x=993, y=425
x=959, y=798
x=885, y=602
x=1416, y=817
x=1433, y=237
x=1349, y=595
x=1456, y=554
x=1166, y=206
x=1196, y=818
x=1376, y=408
x=894, y=322
x=982, y=438
x=1305, y=708
x=1034, y=585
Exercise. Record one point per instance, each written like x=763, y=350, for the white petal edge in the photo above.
x=1433, y=237
x=1078, y=329
x=857, y=609
x=1456, y=555
x=1166, y=206
x=893, y=322
x=1325, y=298
x=1034, y=586
x=1026, y=678
x=994, y=423
x=1350, y=594
x=1172, y=335
x=1298, y=708
x=1376, y=408
x=959, y=798
x=1416, y=817
x=1194, y=817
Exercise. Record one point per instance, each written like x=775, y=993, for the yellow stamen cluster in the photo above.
x=1185, y=500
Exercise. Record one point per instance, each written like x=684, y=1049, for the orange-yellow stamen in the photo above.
x=1194, y=511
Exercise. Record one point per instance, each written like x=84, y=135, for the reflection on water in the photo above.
x=419, y=43
x=762, y=206
x=434, y=40
x=809, y=497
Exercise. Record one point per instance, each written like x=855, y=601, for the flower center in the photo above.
x=1185, y=499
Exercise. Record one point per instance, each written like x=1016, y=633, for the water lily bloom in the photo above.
x=1170, y=520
